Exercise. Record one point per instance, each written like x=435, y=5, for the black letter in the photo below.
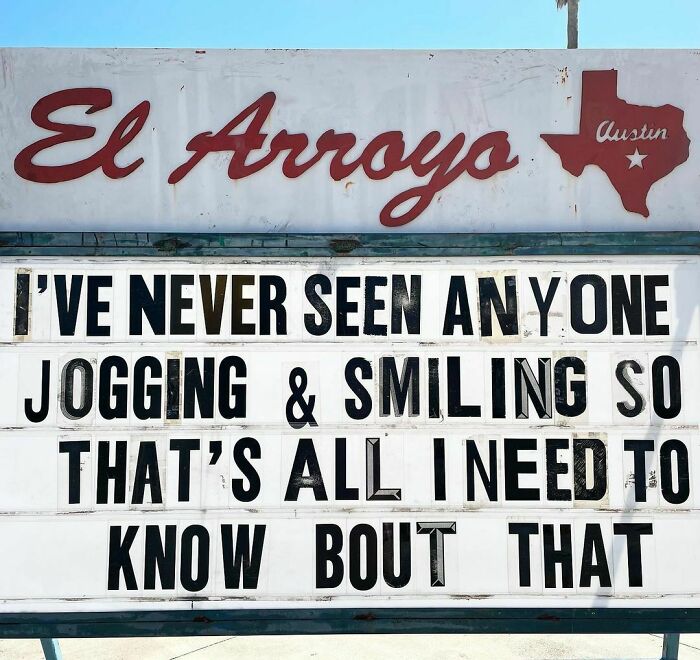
x=184, y=447
x=305, y=457
x=362, y=409
x=390, y=577
x=622, y=378
x=119, y=557
x=161, y=555
x=633, y=532
x=628, y=304
x=152, y=410
x=95, y=305
x=593, y=544
x=600, y=469
x=107, y=390
x=667, y=448
x=22, y=301
x=490, y=297
x=555, y=468
x=73, y=448
x=578, y=387
x=68, y=407
x=404, y=305
x=640, y=448
x=241, y=563
x=455, y=408
x=40, y=415
x=325, y=554
x=342, y=492
x=661, y=363
x=188, y=580
x=600, y=319
x=178, y=303
x=106, y=472
x=249, y=472
x=226, y=390
x=67, y=309
x=524, y=531
x=652, y=306
x=489, y=481
x=514, y=468
x=147, y=472
x=544, y=304
x=322, y=326
x=141, y=302
x=355, y=544
x=270, y=303
x=553, y=557
x=398, y=392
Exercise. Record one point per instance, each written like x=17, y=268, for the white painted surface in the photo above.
x=56, y=551
x=524, y=93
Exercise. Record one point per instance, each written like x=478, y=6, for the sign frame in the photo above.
x=369, y=620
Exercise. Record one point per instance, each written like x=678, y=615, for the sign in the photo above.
x=203, y=434
x=343, y=141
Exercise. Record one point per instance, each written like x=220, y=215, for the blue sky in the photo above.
x=347, y=23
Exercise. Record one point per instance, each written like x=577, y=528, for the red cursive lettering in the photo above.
x=96, y=99
x=383, y=156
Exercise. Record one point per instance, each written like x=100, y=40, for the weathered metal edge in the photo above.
x=134, y=244
x=350, y=621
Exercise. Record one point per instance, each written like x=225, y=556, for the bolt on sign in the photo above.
x=422, y=424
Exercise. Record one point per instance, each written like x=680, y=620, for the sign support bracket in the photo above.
x=52, y=650
x=670, y=648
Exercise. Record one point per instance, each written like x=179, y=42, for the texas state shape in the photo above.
x=635, y=145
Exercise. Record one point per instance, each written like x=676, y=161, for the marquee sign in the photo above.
x=105, y=140
x=453, y=432
x=219, y=414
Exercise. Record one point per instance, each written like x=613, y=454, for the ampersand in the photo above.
x=298, y=381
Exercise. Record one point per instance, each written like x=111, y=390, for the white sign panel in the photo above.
x=449, y=433
x=338, y=141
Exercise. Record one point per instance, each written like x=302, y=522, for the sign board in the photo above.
x=426, y=423
x=203, y=434
x=348, y=141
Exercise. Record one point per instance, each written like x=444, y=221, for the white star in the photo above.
x=636, y=159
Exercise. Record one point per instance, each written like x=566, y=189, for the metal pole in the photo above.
x=670, y=648
x=52, y=651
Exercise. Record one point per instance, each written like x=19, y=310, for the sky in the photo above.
x=347, y=23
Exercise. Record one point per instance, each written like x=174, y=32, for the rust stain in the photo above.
x=343, y=245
